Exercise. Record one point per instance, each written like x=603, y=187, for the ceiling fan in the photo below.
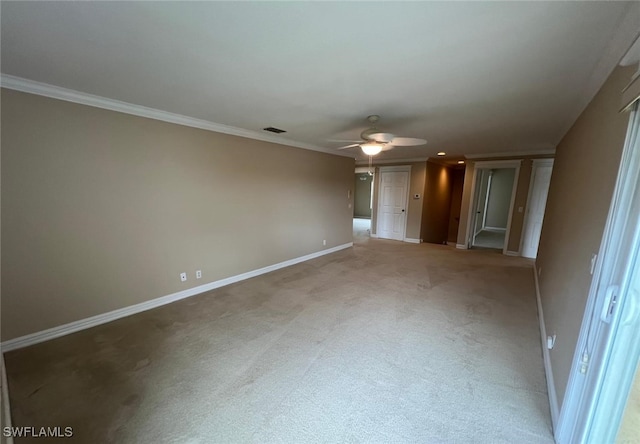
x=374, y=141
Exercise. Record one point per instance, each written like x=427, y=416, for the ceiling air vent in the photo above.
x=274, y=130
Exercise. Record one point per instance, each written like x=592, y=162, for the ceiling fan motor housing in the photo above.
x=382, y=137
x=376, y=135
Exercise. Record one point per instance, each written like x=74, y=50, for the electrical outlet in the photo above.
x=183, y=277
x=198, y=274
x=324, y=242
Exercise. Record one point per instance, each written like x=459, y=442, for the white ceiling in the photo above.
x=471, y=78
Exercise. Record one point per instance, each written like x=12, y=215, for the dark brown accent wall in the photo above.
x=437, y=203
x=457, y=185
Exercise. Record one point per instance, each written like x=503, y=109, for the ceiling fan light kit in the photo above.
x=371, y=149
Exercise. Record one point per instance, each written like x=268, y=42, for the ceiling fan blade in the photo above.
x=381, y=137
x=408, y=141
x=343, y=140
x=348, y=146
x=387, y=147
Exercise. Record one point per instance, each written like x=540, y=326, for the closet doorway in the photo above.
x=362, y=202
x=492, y=205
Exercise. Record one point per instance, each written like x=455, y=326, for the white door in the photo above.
x=541, y=177
x=392, y=210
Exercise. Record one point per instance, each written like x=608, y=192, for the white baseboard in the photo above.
x=512, y=253
x=461, y=247
x=412, y=241
x=82, y=324
x=551, y=388
x=6, y=407
x=494, y=228
x=374, y=235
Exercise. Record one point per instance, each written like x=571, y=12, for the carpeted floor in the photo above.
x=488, y=238
x=383, y=342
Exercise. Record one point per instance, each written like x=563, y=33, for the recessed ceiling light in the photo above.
x=460, y=162
x=442, y=153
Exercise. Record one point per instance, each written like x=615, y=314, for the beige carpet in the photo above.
x=385, y=342
x=489, y=238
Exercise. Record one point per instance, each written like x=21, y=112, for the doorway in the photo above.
x=492, y=204
x=392, y=202
x=363, y=195
x=362, y=203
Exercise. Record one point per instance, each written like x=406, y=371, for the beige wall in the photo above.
x=437, y=203
x=414, y=207
x=584, y=175
x=102, y=210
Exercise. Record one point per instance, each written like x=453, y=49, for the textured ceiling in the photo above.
x=471, y=78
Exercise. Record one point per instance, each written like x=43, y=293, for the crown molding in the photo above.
x=626, y=33
x=70, y=95
x=512, y=154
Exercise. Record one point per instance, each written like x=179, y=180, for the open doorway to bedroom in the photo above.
x=492, y=204
x=362, y=203
x=490, y=208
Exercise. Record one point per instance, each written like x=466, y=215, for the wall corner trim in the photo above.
x=512, y=253
x=411, y=240
x=82, y=98
x=551, y=388
x=461, y=247
x=82, y=324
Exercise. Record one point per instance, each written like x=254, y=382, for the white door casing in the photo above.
x=536, y=203
x=392, y=204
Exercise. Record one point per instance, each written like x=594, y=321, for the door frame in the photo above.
x=595, y=400
x=378, y=179
x=537, y=163
x=494, y=164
